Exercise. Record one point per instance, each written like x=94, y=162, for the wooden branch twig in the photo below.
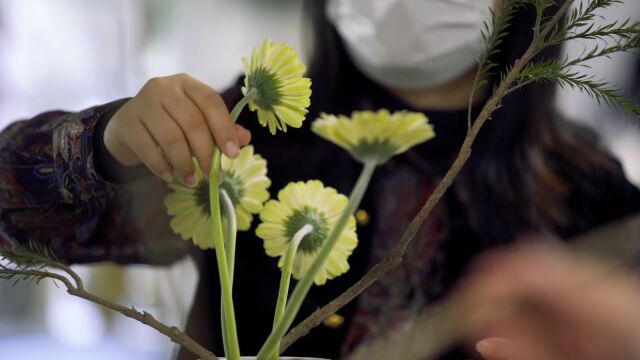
x=172, y=332
x=78, y=290
x=37, y=273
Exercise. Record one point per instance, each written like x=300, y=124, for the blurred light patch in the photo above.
x=43, y=347
x=74, y=321
x=7, y=264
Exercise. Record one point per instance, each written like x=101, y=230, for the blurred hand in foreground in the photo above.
x=542, y=303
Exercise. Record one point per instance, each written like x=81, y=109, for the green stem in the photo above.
x=283, y=293
x=229, y=319
x=231, y=231
x=237, y=109
x=301, y=290
x=230, y=237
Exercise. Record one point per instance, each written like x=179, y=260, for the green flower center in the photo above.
x=378, y=150
x=231, y=184
x=313, y=217
x=266, y=87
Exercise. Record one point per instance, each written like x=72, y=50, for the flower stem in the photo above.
x=301, y=290
x=230, y=248
x=237, y=109
x=229, y=319
x=283, y=293
x=231, y=231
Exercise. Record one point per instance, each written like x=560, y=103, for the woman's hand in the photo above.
x=543, y=303
x=171, y=120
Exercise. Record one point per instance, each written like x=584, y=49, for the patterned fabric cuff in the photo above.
x=73, y=156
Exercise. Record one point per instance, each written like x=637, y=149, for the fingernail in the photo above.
x=485, y=346
x=191, y=180
x=232, y=149
x=248, y=134
x=167, y=177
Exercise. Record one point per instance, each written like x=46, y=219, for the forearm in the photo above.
x=51, y=191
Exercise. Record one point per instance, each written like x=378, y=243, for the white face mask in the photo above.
x=411, y=43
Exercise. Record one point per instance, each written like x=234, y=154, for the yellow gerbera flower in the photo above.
x=375, y=136
x=245, y=182
x=281, y=94
x=314, y=204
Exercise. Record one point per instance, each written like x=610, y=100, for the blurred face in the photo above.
x=411, y=44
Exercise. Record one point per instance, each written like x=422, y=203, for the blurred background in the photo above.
x=72, y=54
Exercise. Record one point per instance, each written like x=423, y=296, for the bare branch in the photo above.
x=35, y=261
x=35, y=273
x=144, y=317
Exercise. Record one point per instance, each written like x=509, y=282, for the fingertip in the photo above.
x=231, y=149
x=191, y=180
x=204, y=164
x=188, y=174
x=167, y=177
x=485, y=346
x=206, y=167
x=500, y=348
x=244, y=135
x=489, y=348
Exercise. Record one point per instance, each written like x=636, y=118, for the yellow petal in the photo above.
x=394, y=133
x=243, y=219
x=281, y=65
x=203, y=236
x=296, y=196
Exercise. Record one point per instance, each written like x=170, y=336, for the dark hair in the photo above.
x=526, y=163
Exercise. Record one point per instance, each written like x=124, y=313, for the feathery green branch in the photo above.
x=493, y=33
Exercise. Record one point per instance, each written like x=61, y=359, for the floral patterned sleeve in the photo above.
x=51, y=194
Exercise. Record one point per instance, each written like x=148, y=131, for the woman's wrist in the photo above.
x=106, y=165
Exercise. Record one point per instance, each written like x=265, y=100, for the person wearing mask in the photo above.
x=75, y=181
